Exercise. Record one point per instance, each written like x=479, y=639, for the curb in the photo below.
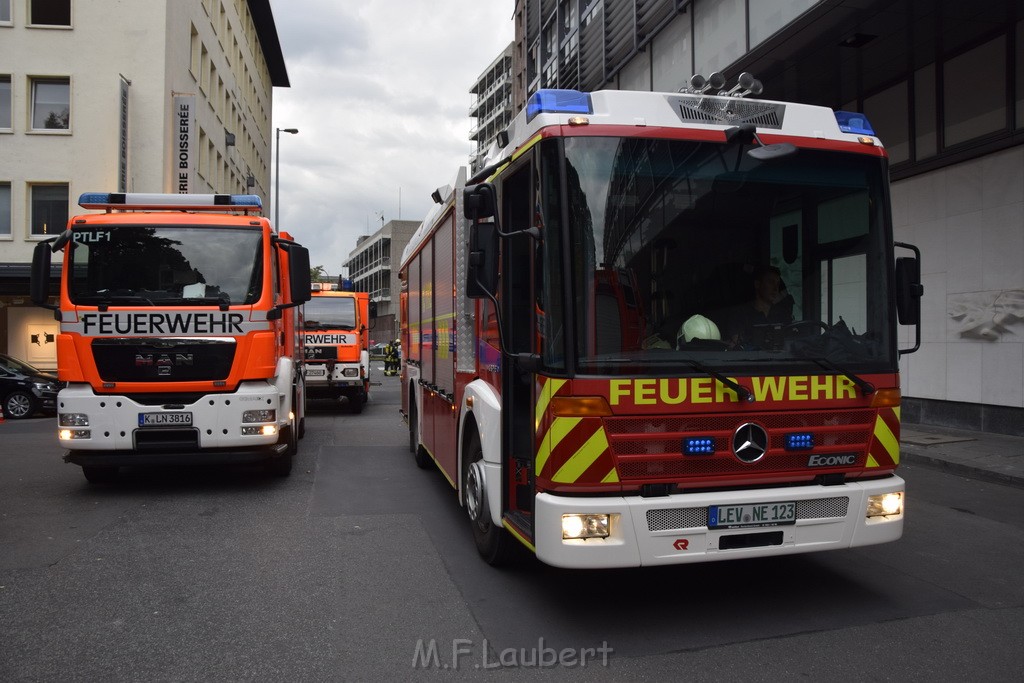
x=920, y=458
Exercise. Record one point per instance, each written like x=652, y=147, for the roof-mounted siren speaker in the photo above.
x=699, y=85
x=746, y=84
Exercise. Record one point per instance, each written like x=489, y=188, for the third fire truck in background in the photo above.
x=337, y=336
x=567, y=318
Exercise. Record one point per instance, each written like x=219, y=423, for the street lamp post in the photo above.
x=277, y=175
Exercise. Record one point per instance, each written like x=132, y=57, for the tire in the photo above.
x=495, y=545
x=420, y=455
x=356, y=403
x=19, y=404
x=100, y=475
x=280, y=466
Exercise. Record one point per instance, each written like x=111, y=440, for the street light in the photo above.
x=277, y=176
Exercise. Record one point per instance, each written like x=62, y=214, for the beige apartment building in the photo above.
x=106, y=95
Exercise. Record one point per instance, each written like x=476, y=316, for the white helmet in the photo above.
x=698, y=327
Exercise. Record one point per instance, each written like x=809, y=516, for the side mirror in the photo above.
x=373, y=310
x=39, y=287
x=298, y=274
x=480, y=201
x=908, y=290
x=482, y=270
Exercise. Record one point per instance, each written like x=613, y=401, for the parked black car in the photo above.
x=26, y=390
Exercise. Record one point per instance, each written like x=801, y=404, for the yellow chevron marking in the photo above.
x=871, y=461
x=583, y=458
x=560, y=427
x=550, y=388
x=887, y=439
x=611, y=478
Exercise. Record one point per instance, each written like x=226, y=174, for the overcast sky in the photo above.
x=380, y=95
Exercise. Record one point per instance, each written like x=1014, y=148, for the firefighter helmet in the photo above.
x=699, y=327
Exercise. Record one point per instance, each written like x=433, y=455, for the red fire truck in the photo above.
x=179, y=333
x=586, y=359
x=337, y=336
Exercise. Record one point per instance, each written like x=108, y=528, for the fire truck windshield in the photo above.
x=331, y=313
x=144, y=265
x=688, y=250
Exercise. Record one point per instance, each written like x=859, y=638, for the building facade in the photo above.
x=373, y=267
x=492, y=104
x=172, y=96
x=942, y=83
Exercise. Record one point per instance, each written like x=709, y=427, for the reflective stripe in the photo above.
x=560, y=428
x=549, y=389
x=885, y=446
x=582, y=459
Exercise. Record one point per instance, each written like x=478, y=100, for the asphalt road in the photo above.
x=360, y=566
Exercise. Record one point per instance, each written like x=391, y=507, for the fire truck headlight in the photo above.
x=584, y=526
x=73, y=420
x=258, y=430
x=885, y=504
x=259, y=416
x=65, y=434
x=350, y=372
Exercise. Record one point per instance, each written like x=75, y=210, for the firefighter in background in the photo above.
x=392, y=351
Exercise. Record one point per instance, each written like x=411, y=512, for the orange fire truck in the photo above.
x=337, y=336
x=179, y=333
x=571, y=364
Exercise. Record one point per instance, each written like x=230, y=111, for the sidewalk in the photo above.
x=995, y=457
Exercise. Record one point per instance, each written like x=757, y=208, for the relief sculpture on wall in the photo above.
x=989, y=316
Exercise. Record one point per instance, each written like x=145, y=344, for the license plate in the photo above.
x=751, y=515
x=315, y=372
x=165, y=419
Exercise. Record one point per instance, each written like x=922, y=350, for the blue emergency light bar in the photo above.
x=558, y=102
x=153, y=200
x=854, y=122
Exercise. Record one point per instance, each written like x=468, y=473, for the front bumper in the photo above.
x=673, y=529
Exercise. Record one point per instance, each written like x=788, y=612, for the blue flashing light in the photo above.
x=799, y=441
x=346, y=285
x=854, y=122
x=698, y=445
x=558, y=102
x=101, y=198
x=244, y=200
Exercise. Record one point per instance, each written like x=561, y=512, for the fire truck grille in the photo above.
x=690, y=518
x=646, y=449
x=163, y=360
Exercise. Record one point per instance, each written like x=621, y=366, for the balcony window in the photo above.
x=5, y=101
x=5, y=209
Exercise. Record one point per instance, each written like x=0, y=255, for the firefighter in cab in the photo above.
x=392, y=354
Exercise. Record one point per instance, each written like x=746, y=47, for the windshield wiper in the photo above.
x=221, y=301
x=867, y=387
x=741, y=391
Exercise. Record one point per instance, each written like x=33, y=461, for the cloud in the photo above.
x=380, y=94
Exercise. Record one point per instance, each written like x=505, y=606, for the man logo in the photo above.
x=750, y=442
x=832, y=460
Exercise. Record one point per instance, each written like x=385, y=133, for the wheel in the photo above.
x=99, y=475
x=493, y=542
x=280, y=466
x=19, y=404
x=420, y=455
x=355, y=404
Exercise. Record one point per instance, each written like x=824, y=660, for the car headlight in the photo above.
x=45, y=386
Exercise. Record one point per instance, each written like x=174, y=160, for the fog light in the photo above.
x=252, y=431
x=66, y=434
x=350, y=372
x=584, y=526
x=269, y=430
x=885, y=504
x=73, y=420
x=259, y=416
